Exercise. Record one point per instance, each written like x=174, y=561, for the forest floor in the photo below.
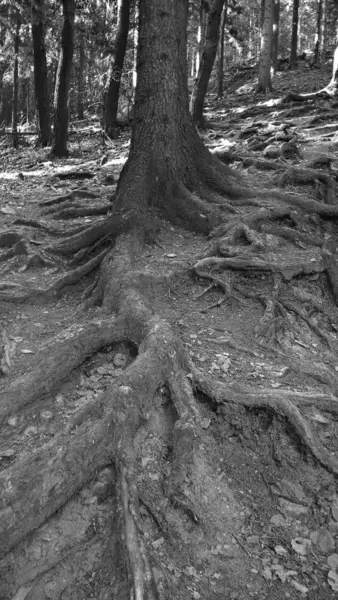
x=268, y=521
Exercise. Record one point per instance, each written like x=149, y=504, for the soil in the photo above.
x=265, y=523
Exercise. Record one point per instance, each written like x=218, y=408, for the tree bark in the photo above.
x=264, y=75
x=220, y=69
x=294, y=36
x=80, y=73
x=111, y=97
x=167, y=160
x=61, y=95
x=15, y=140
x=275, y=32
x=207, y=62
x=316, y=53
x=40, y=73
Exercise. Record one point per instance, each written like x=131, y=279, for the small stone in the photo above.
x=280, y=550
x=196, y=595
x=299, y=587
x=120, y=360
x=332, y=561
x=334, y=510
x=46, y=415
x=291, y=507
x=324, y=540
x=157, y=543
x=278, y=520
x=252, y=540
x=301, y=545
x=12, y=421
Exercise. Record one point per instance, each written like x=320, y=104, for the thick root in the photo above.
x=280, y=403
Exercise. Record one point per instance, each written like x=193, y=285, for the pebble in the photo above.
x=324, y=540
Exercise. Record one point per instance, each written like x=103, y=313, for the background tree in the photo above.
x=275, y=32
x=220, y=63
x=316, y=53
x=111, y=96
x=294, y=37
x=61, y=94
x=264, y=73
x=207, y=61
x=16, y=18
x=42, y=98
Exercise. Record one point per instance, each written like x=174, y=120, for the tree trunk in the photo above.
x=200, y=36
x=294, y=36
x=264, y=73
x=62, y=83
x=220, y=69
x=111, y=97
x=207, y=62
x=316, y=53
x=275, y=33
x=15, y=140
x=80, y=73
x=40, y=73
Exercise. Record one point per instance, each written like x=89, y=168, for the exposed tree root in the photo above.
x=75, y=275
x=281, y=403
x=57, y=360
x=76, y=212
x=78, y=193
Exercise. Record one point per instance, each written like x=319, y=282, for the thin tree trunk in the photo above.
x=135, y=45
x=294, y=36
x=61, y=95
x=323, y=32
x=111, y=98
x=316, y=54
x=275, y=33
x=80, y=83
x=200, y=38
x=40, y=73
x=15, y=140
x=264, y=73
x=220, y=66
x=207, y=62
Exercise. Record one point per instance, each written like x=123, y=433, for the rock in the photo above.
x=332, y=579
x=334, y=510
x=280, y=550
x=323, y=539
x=292, y=507
x=299, y=587
x=301, y=545
x=278, y=520
x=252, y=540
x=332, y=561
x=46, y=415
x=120, y=360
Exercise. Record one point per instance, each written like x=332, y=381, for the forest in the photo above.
x=168, y=299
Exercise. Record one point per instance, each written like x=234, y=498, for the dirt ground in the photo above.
x=266, y=524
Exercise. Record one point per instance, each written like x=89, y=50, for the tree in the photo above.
x=59, y=147
x=17, y=22
x=316, y=53
x=275, y=32
x=207, y=62
x=111, y=96
x=40, y=72
x=80, y=72
x=294, y=36
x=220, y=66
x=264, y=74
